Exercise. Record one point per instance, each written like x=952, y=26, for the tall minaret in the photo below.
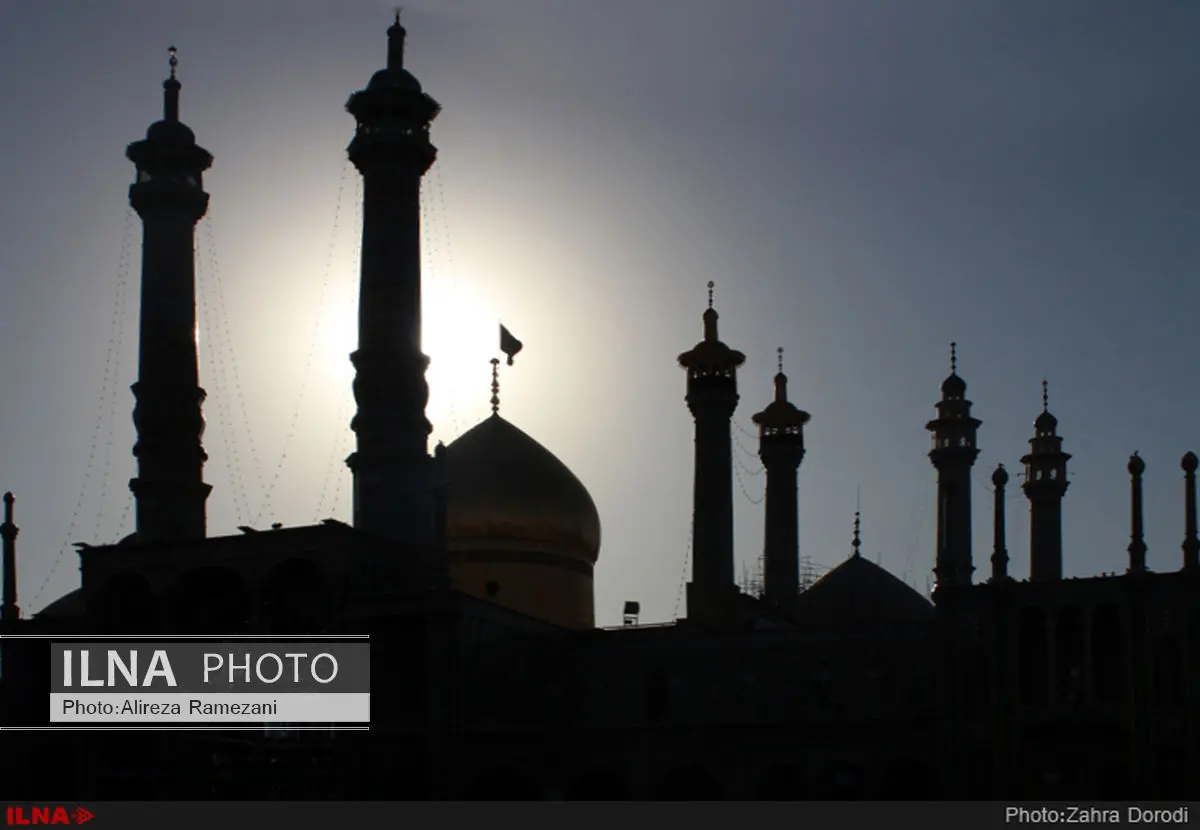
x=1044, y=486
x=999, y=546
x=9, y=611
x=392, y=151
x=169, y=197
x=781, y=448
x=1137, y=538
x=712, y=397
x=953, y=455
x=1191, y=538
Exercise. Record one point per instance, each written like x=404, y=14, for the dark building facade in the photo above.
x=471, y=569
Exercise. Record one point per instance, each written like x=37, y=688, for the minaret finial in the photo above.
x=710, y=293
x=1045, y=396
x=953, y=358
x=171, y=88
x=856, y=543
x=495, y=386
x=780, y=353
x=395, y=34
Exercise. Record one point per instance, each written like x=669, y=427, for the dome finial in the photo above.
x=1045, y=396
x=953, y=358
x=495, y=386
x=856, y=543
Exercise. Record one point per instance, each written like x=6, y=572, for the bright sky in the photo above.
x=864, y=180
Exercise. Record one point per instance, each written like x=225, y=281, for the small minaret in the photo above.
x=169, y=197
x=999, y=545
x=712, y=397
x=953, y=455
x=1044, y=486
x=392, y=151
x=9, y=611
x=1137, y=541
x=1191, y=542
x=440, y=561
x=781, y=448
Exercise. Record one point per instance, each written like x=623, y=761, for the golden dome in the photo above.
x=505, y=491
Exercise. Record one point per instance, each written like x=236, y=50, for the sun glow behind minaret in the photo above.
x=459, y=334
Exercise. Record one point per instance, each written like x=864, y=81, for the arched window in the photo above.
x=125, y=605
x=1033, y=657
x=297, y=598
x=977, y=682
x=1108, y=654
x=1068, y=656
x=209, y=600
x=1168, y=671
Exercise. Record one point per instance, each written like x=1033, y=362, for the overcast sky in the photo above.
x=864, y=180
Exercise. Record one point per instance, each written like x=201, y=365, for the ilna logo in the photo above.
x=47, y=815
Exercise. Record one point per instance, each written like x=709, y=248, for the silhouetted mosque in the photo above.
x=472, y=570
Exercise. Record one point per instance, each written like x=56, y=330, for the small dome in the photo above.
x=859, y=592
x=507, y=491
x=400, y=79
x=67, y=607
x=954, y=386
x=1045, y=422
x=172, y=132
x=1136, y=465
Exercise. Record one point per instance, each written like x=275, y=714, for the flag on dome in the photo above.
x=509, y=344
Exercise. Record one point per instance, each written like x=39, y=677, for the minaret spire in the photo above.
x=168, y=195
x=1191, y=541
x=781, y=448
x=1045, y=485
x=9, y=610
x=712, y=398
x=953, y=455
x=495, y=386
x=171, y=88
x=1137, y=541
x=392, y=151
x=856, y=542
x=396, y=35
x=999, y=545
